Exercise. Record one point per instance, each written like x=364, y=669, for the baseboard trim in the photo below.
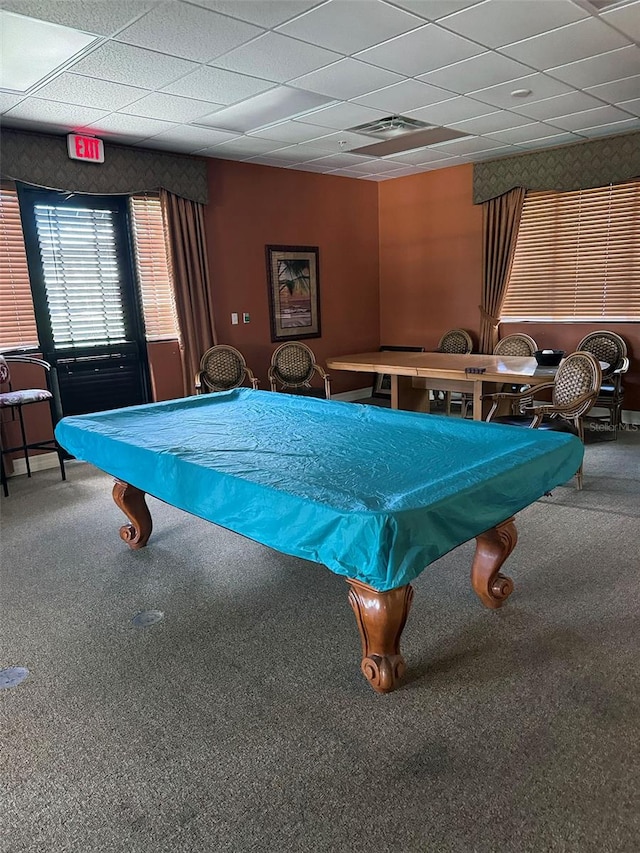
x=352, y=396
x=37, y=462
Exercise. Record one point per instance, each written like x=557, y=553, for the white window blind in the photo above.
x=153, y=268
x=17, y=318
x=81, y=274
x=577, y=256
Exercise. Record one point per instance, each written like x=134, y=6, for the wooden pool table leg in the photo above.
x=132, y=503
x=381, y=617
x=492, y=549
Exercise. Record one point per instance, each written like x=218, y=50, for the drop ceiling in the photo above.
x=284, y=82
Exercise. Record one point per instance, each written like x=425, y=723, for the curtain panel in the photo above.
x=500, y=223
x=186, y=239
x=594, y=163
x=42, y=160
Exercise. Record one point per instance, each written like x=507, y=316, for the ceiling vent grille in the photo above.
x=390, y=127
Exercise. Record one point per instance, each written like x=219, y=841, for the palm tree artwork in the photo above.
x=294, y=292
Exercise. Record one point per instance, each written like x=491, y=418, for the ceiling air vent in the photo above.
x=400, y=133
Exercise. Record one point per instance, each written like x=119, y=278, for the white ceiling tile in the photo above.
x=257, y=11
x=632, y=106
x=217, y=86
x=339, y=161
x=122, y=63
x=590, y=118
x=468, y=146
x=626, y=19
x=130, y=125
x=376, y=166
x=561, y=105
x=343, y=140
x=341, y=116
x=8, y=100
x=346, y=79
x=299, y=167
x=101, y=19
x=290, y=131
x=344, y=173
x=378, y=179
x=192, y=138
x=541, y=87
x=611, y=129
x=526, y=133
x=401, y=97
x=278, y=104
x=435, y=9
x=499, y=22
x=550, y=141
x=90, y=92
x=624, y=62
x=421, y=50
x=566, y=44
x=169, y=108
x=276, y=57
x=501, y=120
x=333, y=26
x=420, y=156
x=52, y=112
x=188, y=31
x=247, y=146
x=619, y=90
x=479, y=72
x=455, y=109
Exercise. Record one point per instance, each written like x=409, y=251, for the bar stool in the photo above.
x=16, y=400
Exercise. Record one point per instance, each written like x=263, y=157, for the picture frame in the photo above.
x=382, y=381
x=293, y=282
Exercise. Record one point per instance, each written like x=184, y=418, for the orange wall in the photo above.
x=431, y=270
x=252, y=206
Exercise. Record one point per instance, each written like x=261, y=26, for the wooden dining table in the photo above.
x=414, y=374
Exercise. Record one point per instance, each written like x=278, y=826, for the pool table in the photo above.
x=375, y=495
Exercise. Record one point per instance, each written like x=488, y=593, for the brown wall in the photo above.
x=252, y=206
x=431, y=270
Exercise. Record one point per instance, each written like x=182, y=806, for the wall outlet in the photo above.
x=234, y=319
x=246, y=318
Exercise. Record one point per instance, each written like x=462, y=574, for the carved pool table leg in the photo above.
x=132, y=503
x=492, y=549
x=381, y=617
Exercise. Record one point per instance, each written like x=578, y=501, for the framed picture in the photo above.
x=382, y=381
x=294, y=292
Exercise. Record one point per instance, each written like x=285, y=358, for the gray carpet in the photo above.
x=241, y=721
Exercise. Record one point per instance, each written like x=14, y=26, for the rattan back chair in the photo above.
x=610, y=348
x=455, y=341
x=573, y=393
x=293, y=366
x=222, y=368
x=516, y=345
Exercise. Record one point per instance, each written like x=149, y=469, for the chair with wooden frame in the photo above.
x=455, y=341
x=222, y=368
x=512, y=345
x=16, y=400
x=611, y=349
x=573, y=393
x=293, y=366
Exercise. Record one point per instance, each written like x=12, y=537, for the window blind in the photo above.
x=153, y=268
x=81, y=274
x=577, y=256
x=17, y=318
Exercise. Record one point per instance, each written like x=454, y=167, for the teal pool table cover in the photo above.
x=374, y=494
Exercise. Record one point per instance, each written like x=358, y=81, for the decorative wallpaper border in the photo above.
x=42, y=160
x=593, y=163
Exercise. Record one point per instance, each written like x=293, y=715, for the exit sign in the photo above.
x=86, y=148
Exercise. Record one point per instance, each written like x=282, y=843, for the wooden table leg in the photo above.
x=132, y=503
x=381, y=617
x=492, y=549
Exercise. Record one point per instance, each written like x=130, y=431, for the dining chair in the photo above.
x=518, y=345
x=458, y=342
x=222, y=368
x=573, y=393
x=15, y=400
x=293, y=366
x=611, y=349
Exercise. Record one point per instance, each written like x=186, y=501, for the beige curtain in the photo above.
x=500, y=224
x=184, y=221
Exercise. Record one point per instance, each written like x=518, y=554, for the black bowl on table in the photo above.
x=549, y=357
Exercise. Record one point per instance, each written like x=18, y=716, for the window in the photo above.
x=17, y=318
x=577, y=256
x=153, y=268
